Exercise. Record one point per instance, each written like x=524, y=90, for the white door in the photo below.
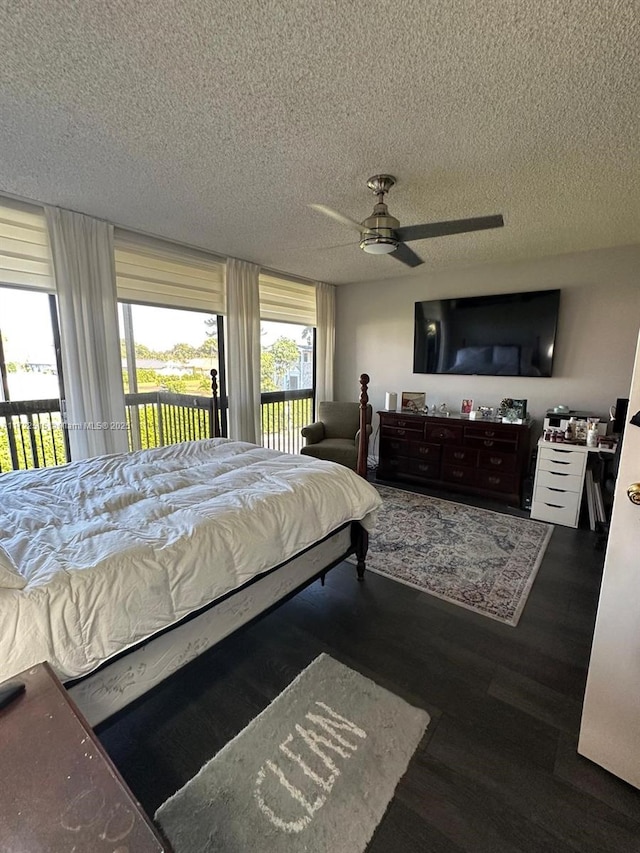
x=610, y=730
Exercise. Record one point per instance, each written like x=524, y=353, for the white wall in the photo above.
x=595, y=344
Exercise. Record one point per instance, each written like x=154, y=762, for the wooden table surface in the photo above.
x=59, y=790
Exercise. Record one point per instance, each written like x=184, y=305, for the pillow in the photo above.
x=506, y=360
x=10, y=577
x=473, y=359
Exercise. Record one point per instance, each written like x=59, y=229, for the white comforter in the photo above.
x=118, y=547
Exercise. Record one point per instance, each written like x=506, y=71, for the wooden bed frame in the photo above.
x=126, y=677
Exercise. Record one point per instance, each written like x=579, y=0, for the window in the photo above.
x=287, y=375
x=167, y=358
x=172, y=299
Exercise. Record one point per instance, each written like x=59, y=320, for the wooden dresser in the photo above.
x=479, y=457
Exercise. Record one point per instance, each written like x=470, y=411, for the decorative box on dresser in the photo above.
x=481, y=457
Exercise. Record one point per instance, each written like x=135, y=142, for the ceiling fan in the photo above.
x=381, y=234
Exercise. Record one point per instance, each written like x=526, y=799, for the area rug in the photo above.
x=482, y=560
x=313, y=772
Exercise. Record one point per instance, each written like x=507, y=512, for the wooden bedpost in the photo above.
x=363, y=442
x=214, y=429
x=360, y=542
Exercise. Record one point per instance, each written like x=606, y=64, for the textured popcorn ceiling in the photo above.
x=217, y=122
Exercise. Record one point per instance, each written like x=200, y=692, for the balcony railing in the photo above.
x=284, y=413
x=32, y=433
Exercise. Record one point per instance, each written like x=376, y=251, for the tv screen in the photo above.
x=507, y=334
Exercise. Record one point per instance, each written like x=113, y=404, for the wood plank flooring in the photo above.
x=497, y=769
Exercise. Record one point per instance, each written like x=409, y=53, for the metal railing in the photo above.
x=159, y=418
x=283, y=414
x=32, y=434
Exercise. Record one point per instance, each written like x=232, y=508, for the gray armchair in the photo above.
x=335, y=435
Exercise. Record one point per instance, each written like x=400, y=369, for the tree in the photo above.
x=285, y=355
x=182, y=353
x=267, y=370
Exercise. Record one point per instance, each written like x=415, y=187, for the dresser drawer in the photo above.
x=400, y=432
x=392, y=446
x=559, y=480
x=490, y=430
x=556, y=507
x=394, y=422
x=421, y=450
x=493, y=460
x=494, y=444
x=460, y=455
x=459, y=474
x=424, y=468
x=562, y=459
x=440, y=433
x=496, y=481
x=390, y=466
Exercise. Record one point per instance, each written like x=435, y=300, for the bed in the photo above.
x=128, y=566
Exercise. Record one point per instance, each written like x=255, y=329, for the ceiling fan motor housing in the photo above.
x=379, y=231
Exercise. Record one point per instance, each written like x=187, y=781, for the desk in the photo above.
x=562, y=476
x=59, y=790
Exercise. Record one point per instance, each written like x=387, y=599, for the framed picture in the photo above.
x=466, y=407
x=521, y=407
x=413, y=401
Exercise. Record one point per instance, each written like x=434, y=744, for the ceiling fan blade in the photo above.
x=339, y=217
x=406, y=256
x=455, y=226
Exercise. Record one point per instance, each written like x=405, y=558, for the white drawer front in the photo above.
x=559, y=479
x=561, y=459
x=556, y=507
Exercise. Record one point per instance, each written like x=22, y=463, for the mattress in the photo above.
x=117, y=548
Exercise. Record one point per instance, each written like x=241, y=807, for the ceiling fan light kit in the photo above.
x=381, y=234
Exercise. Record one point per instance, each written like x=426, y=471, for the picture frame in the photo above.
x=466, y=407
x=521, y=408
x=413, y=401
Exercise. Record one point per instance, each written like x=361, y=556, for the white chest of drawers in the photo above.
x=559, y=481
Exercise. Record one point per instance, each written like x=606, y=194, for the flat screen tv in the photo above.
x=507, y=334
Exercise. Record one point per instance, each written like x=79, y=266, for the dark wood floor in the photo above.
x=497, y=771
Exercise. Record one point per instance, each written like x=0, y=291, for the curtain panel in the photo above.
x=243, y=350
x=83, y=263
x=325, y=340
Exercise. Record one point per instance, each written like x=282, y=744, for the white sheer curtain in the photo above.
x=82, y=250
x=325, y=340
x=243, y=350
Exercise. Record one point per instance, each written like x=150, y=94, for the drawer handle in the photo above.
x=495, y=460
x=489, y=443
x=555, y=506
x=401, y=432
x=559, y=473
x=458, y=474
x=494, y=480
x=423, y=467
x=489, y=432
x=551, y=489
x=424, y=451
x=459, y=454
x=555, y=450
x=560, y=462
x=402, y=423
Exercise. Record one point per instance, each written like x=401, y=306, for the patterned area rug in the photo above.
x=313, y=773
x=482, y=560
